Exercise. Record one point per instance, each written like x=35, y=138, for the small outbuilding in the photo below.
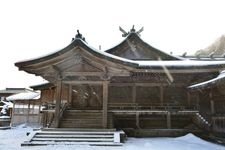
x=26, y=107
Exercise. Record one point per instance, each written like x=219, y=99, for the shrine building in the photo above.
x=132, y=86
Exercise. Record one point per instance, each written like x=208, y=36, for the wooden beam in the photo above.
x=57, y=69
x=148, y=84
x=82, y=74
x=138, y=84
x=121, y=84
x=58, y=102
x=105, y=104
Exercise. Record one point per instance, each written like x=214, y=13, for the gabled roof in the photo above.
x=76, y=43
x=69, y=60
x=77, y=54
x=133, y=47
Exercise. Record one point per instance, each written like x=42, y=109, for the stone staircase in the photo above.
x=83, y=119
x=201, y=121
x=57, y=136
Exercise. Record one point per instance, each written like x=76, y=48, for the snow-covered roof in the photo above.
x=29, y=95
x=181, y=63
x=46, y=85
x=12, y=90
x=137, y=64
x=137, y=49
x=209, y=83
x=154, y=63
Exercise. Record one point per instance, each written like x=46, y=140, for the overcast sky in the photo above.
x=32, y=28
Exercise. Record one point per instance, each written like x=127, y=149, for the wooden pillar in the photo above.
x=188, y=99
x=70, y=94
x=168, y=120
x=12, y=115
x=197, y=101
x=105, y=104
x=211, y=102
x=28, y=112
x=161, y=94
x=213, y=124
x=134, y=93
x=58, y=101
x=212, y=106
x=137, y=120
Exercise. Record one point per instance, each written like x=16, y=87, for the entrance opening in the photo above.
x=85, y=96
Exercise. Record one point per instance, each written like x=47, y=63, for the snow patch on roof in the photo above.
x=24, y=96
x=220, y=77
x=179, y=63
x=110, y=55
x=183, y=62
x=150, y=63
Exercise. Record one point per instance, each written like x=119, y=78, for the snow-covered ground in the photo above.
x=12, y=138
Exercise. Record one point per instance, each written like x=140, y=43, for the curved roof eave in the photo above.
x=110, y=50
x=151, y=64
x=81, y=43
x=207, y=84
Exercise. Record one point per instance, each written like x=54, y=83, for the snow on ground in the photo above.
x=12, y=138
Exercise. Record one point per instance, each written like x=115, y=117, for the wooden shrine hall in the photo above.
x=132, y=86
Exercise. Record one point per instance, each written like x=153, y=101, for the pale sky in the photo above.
x=32, y=28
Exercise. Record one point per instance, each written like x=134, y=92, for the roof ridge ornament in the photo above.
x=78, y=36
x=132, y=30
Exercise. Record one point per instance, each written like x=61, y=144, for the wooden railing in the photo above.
x=49, y=115
x=62, y=109
x=202, y=122
x=218, y=124
x=149, y=106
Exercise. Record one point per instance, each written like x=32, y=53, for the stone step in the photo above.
x=74, y=139
x=41, y=143
x=78, y=130
x=65, y=136
x=68, y=132
x=74, y=136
